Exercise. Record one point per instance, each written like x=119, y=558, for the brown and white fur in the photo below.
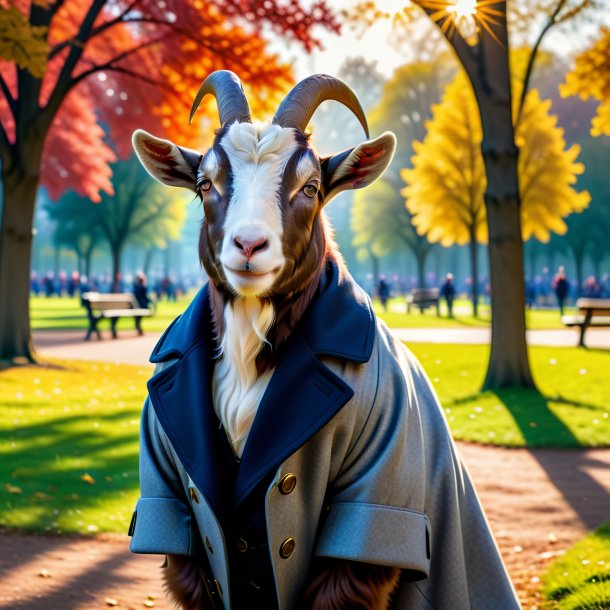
x=264, y=243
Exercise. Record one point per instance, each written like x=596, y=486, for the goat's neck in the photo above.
x=237, y=386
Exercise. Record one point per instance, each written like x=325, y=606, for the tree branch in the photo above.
x=553, y=20
x=8, y=95
x=63, y=84
x=95, y=31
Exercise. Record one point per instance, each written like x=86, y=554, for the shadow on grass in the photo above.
x=565, y=468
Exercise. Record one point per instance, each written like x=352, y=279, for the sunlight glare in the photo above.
x=463, y=9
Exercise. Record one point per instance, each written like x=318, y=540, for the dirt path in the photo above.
x=538, y=503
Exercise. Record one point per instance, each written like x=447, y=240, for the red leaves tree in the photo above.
x=75, y=66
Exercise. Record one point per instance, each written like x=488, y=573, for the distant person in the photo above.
x=448, y=293
x=140, y=290
x=383, y=290
x=592, y=289
x=561, y=287
x=530, y=293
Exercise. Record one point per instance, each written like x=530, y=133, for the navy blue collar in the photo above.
x=302, y=396
x=340, y=322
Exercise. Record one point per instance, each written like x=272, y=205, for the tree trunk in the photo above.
x=15, y=252
x=375, y=261
x=116, y=251
x=420, y=257
x=474, y=272
x=148, y=257
x=508, y=361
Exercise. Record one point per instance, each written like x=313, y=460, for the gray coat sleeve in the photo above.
x=377, y=501
x=162, y=521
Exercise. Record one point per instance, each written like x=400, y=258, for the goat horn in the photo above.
x=226, y=87
x=300, y=104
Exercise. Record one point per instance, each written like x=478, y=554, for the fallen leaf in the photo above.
x=110, y=601
x=87, y=478
x=40, y=495
x=552, y=538
x=74, y=497
x=151, y=597
x=44, y=574
x=149, y=603
x=12, y=489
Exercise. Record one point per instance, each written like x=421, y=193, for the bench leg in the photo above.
x=139, y=325
x=583, y=328
x=93, y=329
x=113, y=323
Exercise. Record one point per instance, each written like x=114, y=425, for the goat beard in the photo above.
x=291, y=296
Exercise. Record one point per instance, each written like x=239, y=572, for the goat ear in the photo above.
x=358, y=167
x=166, y=162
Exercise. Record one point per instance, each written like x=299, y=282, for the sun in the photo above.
x=466, y=16
x=463, y=9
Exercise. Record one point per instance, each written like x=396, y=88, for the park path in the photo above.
x=538, y=504
x=132, y=349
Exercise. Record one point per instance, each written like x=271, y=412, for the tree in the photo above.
x=446, y=186
x=76, y=226
x=404, y=107
x=379, y=229
x=590, y=79
x=479, y=37
x=138, y=63
x=141, y=211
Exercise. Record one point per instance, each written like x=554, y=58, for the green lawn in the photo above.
x=69, y=446
x=572, y=408
x=69, y=431
x=397, y=317
x=580, y=580
x=66, y=313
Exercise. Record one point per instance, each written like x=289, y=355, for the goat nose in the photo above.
x=250, y=246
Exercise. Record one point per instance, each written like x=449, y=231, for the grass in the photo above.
x=69, y=430
x=69, y=446
x=570, y=410
x=580, y=579
x=64, y=313
x=397, y=317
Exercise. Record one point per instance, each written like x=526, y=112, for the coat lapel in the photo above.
x=304, y=394
x=182, y=397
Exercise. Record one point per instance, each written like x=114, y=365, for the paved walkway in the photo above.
x=129, y=348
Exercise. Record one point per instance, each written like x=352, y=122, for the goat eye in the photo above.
x=205, y=185
x=310, y=190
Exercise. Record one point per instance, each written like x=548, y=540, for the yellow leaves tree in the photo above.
x=447, y=183
x=590, y=79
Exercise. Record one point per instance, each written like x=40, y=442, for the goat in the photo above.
x=280, y=310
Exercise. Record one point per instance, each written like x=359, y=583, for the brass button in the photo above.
x=242, y=545
x=287, y=483
x=193, y=495
x=287, y=548
x=208, y=545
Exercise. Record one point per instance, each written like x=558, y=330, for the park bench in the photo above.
x=592, y=312
x=101, y=306
x=423, y=298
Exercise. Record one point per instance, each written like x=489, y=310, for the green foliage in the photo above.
x=570, y=410
x=23, y=43
x=580, y=579
x=141, y=211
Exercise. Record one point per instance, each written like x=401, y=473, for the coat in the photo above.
x=353, y=439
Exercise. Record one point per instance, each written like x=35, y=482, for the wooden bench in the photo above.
x=592, y=312
x=114, y=306
x=423, y=298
